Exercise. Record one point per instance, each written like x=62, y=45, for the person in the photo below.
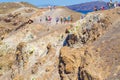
x=95, y=8
x=49, y=19
x=40, y=20
x=64, y=19
x=61, y=20
x=46, y=18
x=54, y=7
x=102, y=8
x=50, y=8
x=115, y=4
x=111, y=4
x=82, y=16
x=69, y=19
x=118, y=5
x=57, y=20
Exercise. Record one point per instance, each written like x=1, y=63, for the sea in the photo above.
x=84, y=12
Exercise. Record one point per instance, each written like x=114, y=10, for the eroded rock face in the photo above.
x=46, y=68
x=96, y=60
x=72, y=64
x=70, y=60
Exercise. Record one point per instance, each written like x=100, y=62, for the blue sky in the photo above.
x=52, y=2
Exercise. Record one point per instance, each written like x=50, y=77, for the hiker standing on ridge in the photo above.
x=61, y=20
x=111, y=4
x=49, y=19
x=40, y=20
x=102, y=8
x=69, y=18
x=95, y=8
x=54, y=7
x=50, y=8
x=64, y=19
x=57, y=20
x=46, y=18
x=115, y=4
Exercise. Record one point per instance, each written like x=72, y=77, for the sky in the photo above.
x=52, y=2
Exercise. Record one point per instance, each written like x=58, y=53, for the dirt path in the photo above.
x=51, y=29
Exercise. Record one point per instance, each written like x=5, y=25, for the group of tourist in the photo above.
x=64, y=19
x=110, y=5
x=51, y=7
x=48, y=18
x=57, y=20
x=101, y=8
